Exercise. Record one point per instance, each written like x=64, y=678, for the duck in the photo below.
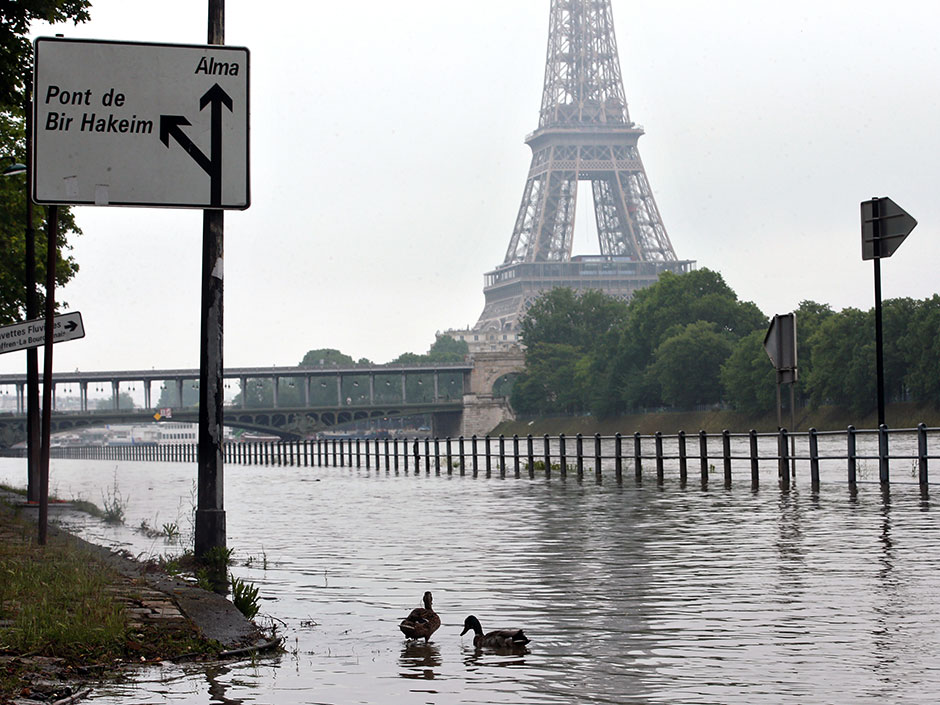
x=498, y=639
x=422, y=622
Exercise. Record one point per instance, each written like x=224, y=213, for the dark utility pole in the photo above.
x=52, y=249
x=32, y=312
x=210, y=514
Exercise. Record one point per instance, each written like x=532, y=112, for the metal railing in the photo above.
x=853, y=456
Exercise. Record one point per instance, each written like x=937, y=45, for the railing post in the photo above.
x=515, y=454
x=660, y=467
x=852, y=455
x=547, y=449
x=427, y=455
x=359, y=455
x=462, y=456
x=404, y=452
x=530, y=449
x=683, y=460
x=387, y=463
x=703, y=453
x=783, y=462
x=597, y=457
x=922, y=455
x=342, y=453
x=474, y=462
x=579, y=455
x=883, y=471
x=755, y=460
x=726, y=456
x=450, y=456
x=502, y=455
x=637, y=458
x=618, y=458
x=562, y=456
x=395, y=454
x=814, y=459
x=437, y=455
x=486, y=449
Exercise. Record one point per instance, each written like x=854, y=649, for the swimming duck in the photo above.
x=498, y=639
x=422, y=622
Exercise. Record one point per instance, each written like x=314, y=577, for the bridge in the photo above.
x=291, y=402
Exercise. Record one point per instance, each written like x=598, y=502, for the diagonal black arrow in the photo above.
x=170, y=127
x=216, y=98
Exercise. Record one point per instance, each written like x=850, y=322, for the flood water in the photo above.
x=630, y=593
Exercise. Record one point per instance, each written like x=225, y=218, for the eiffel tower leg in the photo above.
x=545, y=224
x=616, y=231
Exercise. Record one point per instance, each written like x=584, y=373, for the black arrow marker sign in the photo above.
x=171, y=126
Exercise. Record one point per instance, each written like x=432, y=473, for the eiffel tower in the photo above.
x=584, y=134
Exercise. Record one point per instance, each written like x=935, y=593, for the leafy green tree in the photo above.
x=922, y=342
x=125, y=401
x=16, y=51
x=748, y=376
x=13, y=230
x=688, y=364
x=448, y=349
x=628, y=376
x=549, y=383
x=327, y=357
x=843, y=354
x=16, y=57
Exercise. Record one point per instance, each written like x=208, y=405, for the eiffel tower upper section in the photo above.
x=585, y=133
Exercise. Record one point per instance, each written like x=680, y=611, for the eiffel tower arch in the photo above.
x=584, y=135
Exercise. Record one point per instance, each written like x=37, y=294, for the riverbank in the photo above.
x=73, y=614
x=827, y=418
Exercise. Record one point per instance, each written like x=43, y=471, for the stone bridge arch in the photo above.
x=490, y=366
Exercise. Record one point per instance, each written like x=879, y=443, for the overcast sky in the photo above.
x=388, y=162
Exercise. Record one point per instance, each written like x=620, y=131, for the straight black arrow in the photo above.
x=216, y=98
x=171, y=126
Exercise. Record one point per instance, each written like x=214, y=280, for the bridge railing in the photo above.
x=852, y=456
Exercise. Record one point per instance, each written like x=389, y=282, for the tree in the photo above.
x=326, y=357
x=628, y=376
x=16, y=51
x=843, y=354
x=748, y=376
x=15, y=66
x=922, y=343
x=687, y=364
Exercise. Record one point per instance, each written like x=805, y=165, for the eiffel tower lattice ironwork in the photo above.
x=584, y=134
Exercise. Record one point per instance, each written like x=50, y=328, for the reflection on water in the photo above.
x=630, y=594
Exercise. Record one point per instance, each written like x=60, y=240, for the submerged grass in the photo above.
x=59, y=601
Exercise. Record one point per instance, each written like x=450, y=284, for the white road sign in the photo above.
x=133, y=124
x=32, y=333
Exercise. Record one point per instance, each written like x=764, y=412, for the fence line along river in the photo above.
x=631, y=592
x=823, y=455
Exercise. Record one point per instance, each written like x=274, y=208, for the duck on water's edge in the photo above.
x=497, y=639
x=422, y=622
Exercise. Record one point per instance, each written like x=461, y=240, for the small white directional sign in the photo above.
x=32, y=333
x=134, y=124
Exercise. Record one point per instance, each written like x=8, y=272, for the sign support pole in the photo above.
x=52, y=248
x=879, y=337
x=32, y=355
x=210, y=513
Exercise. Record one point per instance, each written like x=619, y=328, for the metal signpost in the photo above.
x=884, y=226
x=162, y=125
x=780, y=345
